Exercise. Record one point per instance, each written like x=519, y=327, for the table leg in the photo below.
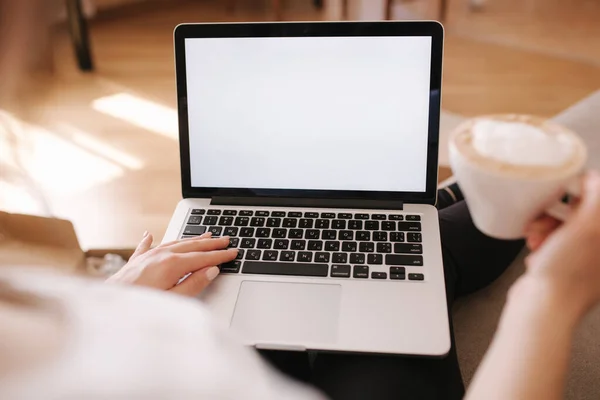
x=79, y=34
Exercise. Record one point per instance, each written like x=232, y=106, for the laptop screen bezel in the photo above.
x=312, y=29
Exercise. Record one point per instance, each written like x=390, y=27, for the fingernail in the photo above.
x=145, y=234
x=212, y=273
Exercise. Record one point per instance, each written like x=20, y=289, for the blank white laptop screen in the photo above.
x=320, y=113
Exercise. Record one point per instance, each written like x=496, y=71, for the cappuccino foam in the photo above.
x=520, y=145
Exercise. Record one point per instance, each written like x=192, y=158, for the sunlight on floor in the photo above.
x=92, y=144
x=52, y=163
x=140, y=112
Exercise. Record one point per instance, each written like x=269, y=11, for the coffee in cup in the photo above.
x=512, y=167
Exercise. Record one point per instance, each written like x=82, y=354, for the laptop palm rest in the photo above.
x=287, y=313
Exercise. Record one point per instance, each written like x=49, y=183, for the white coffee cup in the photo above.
x=514, y=175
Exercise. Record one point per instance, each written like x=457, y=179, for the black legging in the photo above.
x=471, y=262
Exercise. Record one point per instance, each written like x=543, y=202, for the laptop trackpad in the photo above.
x=295, y=313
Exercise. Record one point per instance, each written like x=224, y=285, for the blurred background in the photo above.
x=93, y=138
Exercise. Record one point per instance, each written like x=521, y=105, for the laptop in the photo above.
x=314, y=146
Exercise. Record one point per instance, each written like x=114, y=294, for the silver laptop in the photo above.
x=314, y=147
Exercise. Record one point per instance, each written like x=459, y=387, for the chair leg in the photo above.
x=278, y=10
x=388, y=9
x=79, y=34
x=443, y=10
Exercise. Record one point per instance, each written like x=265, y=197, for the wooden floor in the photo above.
x=103, y=149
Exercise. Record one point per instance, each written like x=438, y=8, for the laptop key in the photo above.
x=230, y=212
x=194, y=220
x=355, y=224
x=378, y=275
x=262, y=213
x=274, y=222
x=213, y=212
x=388, y=225
x=231, y=231
x=294, y=214
x=332, y=246
x=363, y=236
x=340, y=271
x=374, y=259
x=399, y=277
x=240, y=254
x=380, y=236
x=210, y=220
x=247, y=232
x=233, y=242
x=378, y=217
x=340, y=258
x=327, y=215
x=312, y=234
x=270, y=255
x=264, y=243
x=372, y=225
x=402, y=259
x=396, y=217
x=290, y=222
x=361, y=271
x=322, y=224
x=346, y=235
x=315, y=245
x=416, y=277
x=253, y=255
x=198, y=211
x=344, y=216
x=322, y=257
x=306, y=223
x=398, y=270
x=397, y=236
x=278, y=214
x=305, y=256
x=366, y=247
x=413, y=217
x=226, y=221
x=263, y=232
x=194, y=230
x=232, y=267
x=298, y=245
x=349, y=246
x=357, y=258
x=246, y=213
x=331, y=235
x=241, y=221
x=384, y=247
x=409, y=226
x=414, y=237
x=281, y=244
x=295, y=234
x=257, y=221
x=292, y=269
x=216, y=230
x=408, y=248
x=311, y=215
x=338, y=224
x=248, y=243
x=287, y=256
x=361, y=216
x=279, y=233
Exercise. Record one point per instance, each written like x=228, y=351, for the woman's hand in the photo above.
x=163, y=267
x=566, y=255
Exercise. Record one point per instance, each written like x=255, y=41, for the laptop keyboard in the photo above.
x=374, y=246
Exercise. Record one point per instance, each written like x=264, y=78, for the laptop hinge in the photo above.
x=306, y=202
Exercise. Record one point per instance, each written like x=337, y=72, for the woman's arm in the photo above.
x=529, y=356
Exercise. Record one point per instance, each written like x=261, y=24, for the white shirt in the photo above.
x=133, y=343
